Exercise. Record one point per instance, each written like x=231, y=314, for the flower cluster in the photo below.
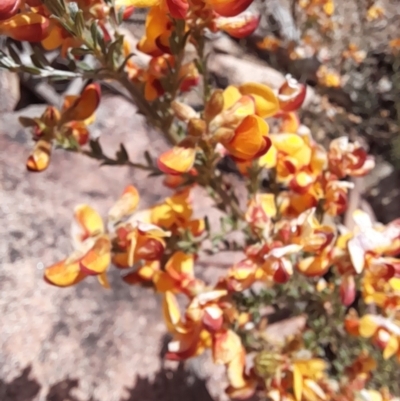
x=66, y=128
x=291, y=226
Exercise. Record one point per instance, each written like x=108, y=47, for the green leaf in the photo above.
x=7, y=62
x=56, y=7
x=14, y=54
x=122, y=155
x=41, y=57
x=148, y=158
x=109, y=162
x=96, y=149
x=115, y=51
x=31, y=69
x=127, y=58
x=120, y=15
x=93, y=32
x=80, y=51
x=79, y=23
x=37, y=62
x=207, y=223
x=155, y=174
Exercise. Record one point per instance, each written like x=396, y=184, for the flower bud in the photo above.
x=196, y=127
x=39, y=159
x=51, y=116
x=214, y=105
x=182, y=111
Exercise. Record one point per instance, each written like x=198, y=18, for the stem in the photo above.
x=166, y=124
x=200, y=48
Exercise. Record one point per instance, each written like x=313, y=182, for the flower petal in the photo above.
x=229, y=8
x=368, y=326
x=297, y=382
x=87, y=223
x=8, y=8
x=267, y=103
x=39, y=159
x=85, y=105
x=97, y=260
x=62, y=274
x=177, y=160
x=171, y=312
x=226, y=346
x=103, y=280
x=30, y=27
x=249, y=138
x=240, y=26
x=125, y=205
x=177, y=8
x=291, y=94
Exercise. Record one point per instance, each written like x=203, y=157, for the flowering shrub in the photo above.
x=296, y=252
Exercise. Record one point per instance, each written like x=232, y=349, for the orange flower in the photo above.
x=240, y=26
x=375, y=12
x=269, y=43
x=384, y=332
x=354, y=53
x=367, y=239
x=68, y=128
x=335, y=195
x=189, y=75
x=310, y=234
x=134, y=238
x=267, y=103
x=361, y=368
x=175, y=214
x=136, y=241
x=277, y=263
x=347, y=158
x=347, y=289
x=395, y=44
x=203, y=318
x=177, y=160
x=240, y=276
x=59, y=37
x=290, y=122
x=178, y=276
x=39, y=159
x=92, y=255
x=158, y=69
x=155, y=42
x=229, y=351
x=250, y=139
x=260, y=210
x=328, y=77
x=82, y=108
x=30, y=27
x=78, y=131
x=291, y=94
x=125, y=205
x=298, y=160
x=306, y=374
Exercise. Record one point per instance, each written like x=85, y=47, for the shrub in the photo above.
x=346, y=283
